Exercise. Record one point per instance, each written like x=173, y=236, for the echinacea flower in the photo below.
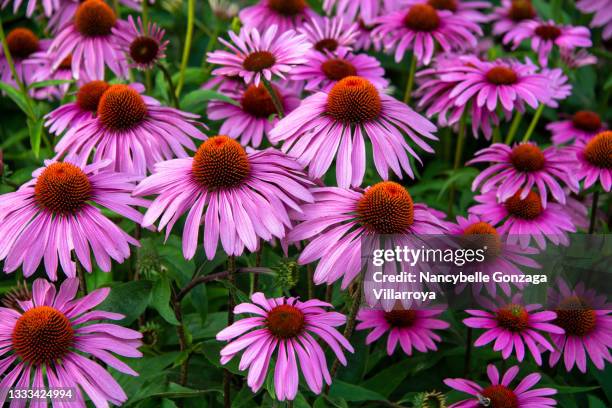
x=499, y=393
x=285, y=14
x=43, y=71
x=524, y=219
x=54, y=214
x=253, y=56
x=545, y=35
x=351, y=10
x=56, y=341
x=329, y=34
x=574, y=59
x=285, y=328
x=594, y=160
x=421, y=27
x=339, y=218
x=132, y=130
x=49, y=6
x=514, y=325
x=334, y=123
x=324, y=70
x=559, y=86
x=238, y=197
x=468, y=9
x=521, y=168
x=510, y=14
x=89, y=38
x=585, y=316
x=22, y=44
x=408, y=327
x=581, y=126
x=144, y=45
x=602, y=16
x=255, y=116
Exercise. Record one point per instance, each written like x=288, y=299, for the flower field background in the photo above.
x=185, y=186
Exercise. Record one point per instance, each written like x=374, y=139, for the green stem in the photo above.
x=534, y=122
x=410, y=82
x=145, y=15
x=168, y=77
x=187, y=47
x=277, y=103
x=458, y=157
x=594, y=212
x=231, y=279
x=516, y=121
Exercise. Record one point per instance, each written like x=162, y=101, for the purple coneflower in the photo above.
x=329, y=34
x=255, y=116
x=285, y=14
x=575, y=59
x=594, y=160
x=335, y=124
x=499, y=393
x=470, y=10
x=44, y=71
x=410, y=327
x=58, y=340
x=510, y=14
x=132, y=130
x=54, y=214
x=544, y=35
x=365, y=10
x=22, y=44
x=252, y=56
x=520, y=168
x=559, y=86
x=49, y=6
x=291, y=326
x=145, y=46
x=238, y=197
x=582, y=126
x=602, y=10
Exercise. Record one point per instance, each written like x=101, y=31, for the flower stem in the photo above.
x=180, y=332
x=594, y=212
x=534, y=122
x=187, y=47
x=168, y=77
x=81, y=274
x=231, y=279
x=410, y=82
x=458, y=157
x=277, y=103
x=516, y=121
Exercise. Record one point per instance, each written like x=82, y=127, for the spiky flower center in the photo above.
x=94, y=18
x=326, y=44
x=288, y=8
x=220, y=162
x=521, y=10
x=88, y=96
x=121, y=107
x=22, y=42
x=400, y=318
x=450, y=5
x=527, y=157
x=501, y=76
x=285, y=321
x=500, y=396
x=257, y=101
x=598, y=150
x=62, y=188
x=258, y=61
x=513, y=317
x=576, y=317
x=528, y=209
x=386, y=208
x=482, y=234
x=548, y=32
x=587, y=121
x=422, y=17
x=354, y=100
x=144, y=49
x=336, y=69
x=42, y=335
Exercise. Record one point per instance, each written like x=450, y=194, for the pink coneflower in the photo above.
x=545, y=35
x=594, y=160
x=290, y=325
x=410, y=327
x=252, y=56
x=582, y=126
x=510, y=14
x=364, y=39
x=574, y=59
x=585, y=317
x=602, y=15
x=421, y=28
x=255, y=116
x=366, y=10
x=145, y=46
x=49, y=6
x=514, y=325
x=91, y=41
x=42, y=64
x=499, y=393
x=329, y=34
x=335, y=124
x=54, y=214
x=285, y=14
x=339, y=218
x=132, y=130
x=324, y=70
x=559, y=86
x=470, y=10
x=239, y=197
x=520, y=168
x=60, y=340
x=525, y=219
x=22, y=44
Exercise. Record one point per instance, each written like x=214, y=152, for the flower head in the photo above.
x=145, y=46
x=49, y=6
x=594, y=160
x=285, y=14
x=329, y=34
x=365, y=10
x=601, y=18
x=470, y=10
x=510, y=14
x=581, y=126
x=42, y=64
x=22, y=44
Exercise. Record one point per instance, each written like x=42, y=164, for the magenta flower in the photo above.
x=559, y=86
x=585, y=317
x=576, y=59
x=42, y=64
x=339, y=218
x=53, y=215
x=132, y=130
x=510, y=14
x=91, y=41
x=252, y=56
x=60, y=340
x=324, y=70
x=285, y=14
x=421, y=28
x=365, y=10
x=520, y=168
x=335, y=124
x=410, y=327
x=145, y=47
x=251, y=119
x=49, y=6
x=238, y=197
x=22, y=44
x=470, y=10
x=582, y=126
x=329, y=34
x=602, y=14
x=594, y=160
x=545, y=35
x=290, y=325
x=499, y=393
x=525, y=219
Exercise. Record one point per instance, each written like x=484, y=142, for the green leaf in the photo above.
x=130, y=299
x=195, y=101
x=212, y=352
x=567, y=389
x=160, y=300
x=353, y=393
x=50, y=82
x=36, y=129
x=17, y=97
x=243, y=399
x=199, y=299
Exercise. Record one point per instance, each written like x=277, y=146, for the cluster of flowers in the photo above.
x=118, y=146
